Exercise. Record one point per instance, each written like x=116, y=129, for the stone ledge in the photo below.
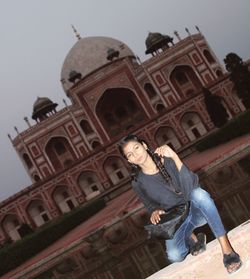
x=209, y=264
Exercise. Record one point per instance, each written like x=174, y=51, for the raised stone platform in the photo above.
x=208, y=265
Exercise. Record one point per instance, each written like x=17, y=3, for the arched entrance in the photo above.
x=119, y=110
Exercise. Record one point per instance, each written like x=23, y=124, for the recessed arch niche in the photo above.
x=11, y=225
x=119, y=110
x=64, y=199
x=60, y=153
x=184, y=79
x=38, y=212
x=166, y=135
x=193, y=125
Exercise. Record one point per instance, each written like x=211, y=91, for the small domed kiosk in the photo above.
x=43, y=108
x=156, y=41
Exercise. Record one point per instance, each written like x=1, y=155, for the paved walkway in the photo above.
x=208, y=265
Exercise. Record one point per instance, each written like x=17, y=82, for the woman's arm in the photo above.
x=188, y=179
x=149, y=205
x=166, y=151
x=152, y=209
x=154, y=213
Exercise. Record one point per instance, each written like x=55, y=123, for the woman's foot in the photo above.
x=232, y=262
x=199, y=246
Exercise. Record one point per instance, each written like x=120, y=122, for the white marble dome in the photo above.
x=88, y=55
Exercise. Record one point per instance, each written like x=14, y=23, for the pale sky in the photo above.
x=36, y=36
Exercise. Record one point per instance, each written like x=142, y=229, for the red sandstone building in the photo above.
x=71, y=155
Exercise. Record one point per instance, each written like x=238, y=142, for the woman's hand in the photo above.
x=165, y=151
x=155, y=216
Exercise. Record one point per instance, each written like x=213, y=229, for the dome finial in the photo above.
x=9, y=136
x=76, y=33
x=177, y=35
x=188, y=31
x=26, y=119
x=197, y=28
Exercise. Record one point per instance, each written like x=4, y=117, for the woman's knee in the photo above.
x=175, y=255
x=200, y=195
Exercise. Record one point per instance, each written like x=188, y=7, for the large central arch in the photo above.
x=119, y=110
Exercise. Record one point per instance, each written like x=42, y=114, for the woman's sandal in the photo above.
x=200, y=246
x=230, y=261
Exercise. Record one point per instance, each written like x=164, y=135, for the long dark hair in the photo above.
x=135, y=169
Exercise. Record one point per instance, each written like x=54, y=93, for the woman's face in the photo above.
x=135, y=152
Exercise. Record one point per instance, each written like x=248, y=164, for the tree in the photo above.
x=215, y=109
x=240, y=76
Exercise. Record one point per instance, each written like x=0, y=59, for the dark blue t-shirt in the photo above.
x=154, y=191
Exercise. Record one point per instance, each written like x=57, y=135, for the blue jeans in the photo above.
x=202, y=211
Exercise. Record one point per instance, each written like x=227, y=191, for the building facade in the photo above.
x=71, y=155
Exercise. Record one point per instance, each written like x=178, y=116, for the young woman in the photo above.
x=162, y=181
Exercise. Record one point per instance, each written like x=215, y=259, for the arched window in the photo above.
x=183, y=79
x=87, y=129
x=208, y=56
x=150, y=90
x=11, y=226
x=115, y=169
x=27, y=160
x=64, y=200
x=37, y=212
x=60, y=153
x=166, y=135
x=193, y=125
x=90, y=184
